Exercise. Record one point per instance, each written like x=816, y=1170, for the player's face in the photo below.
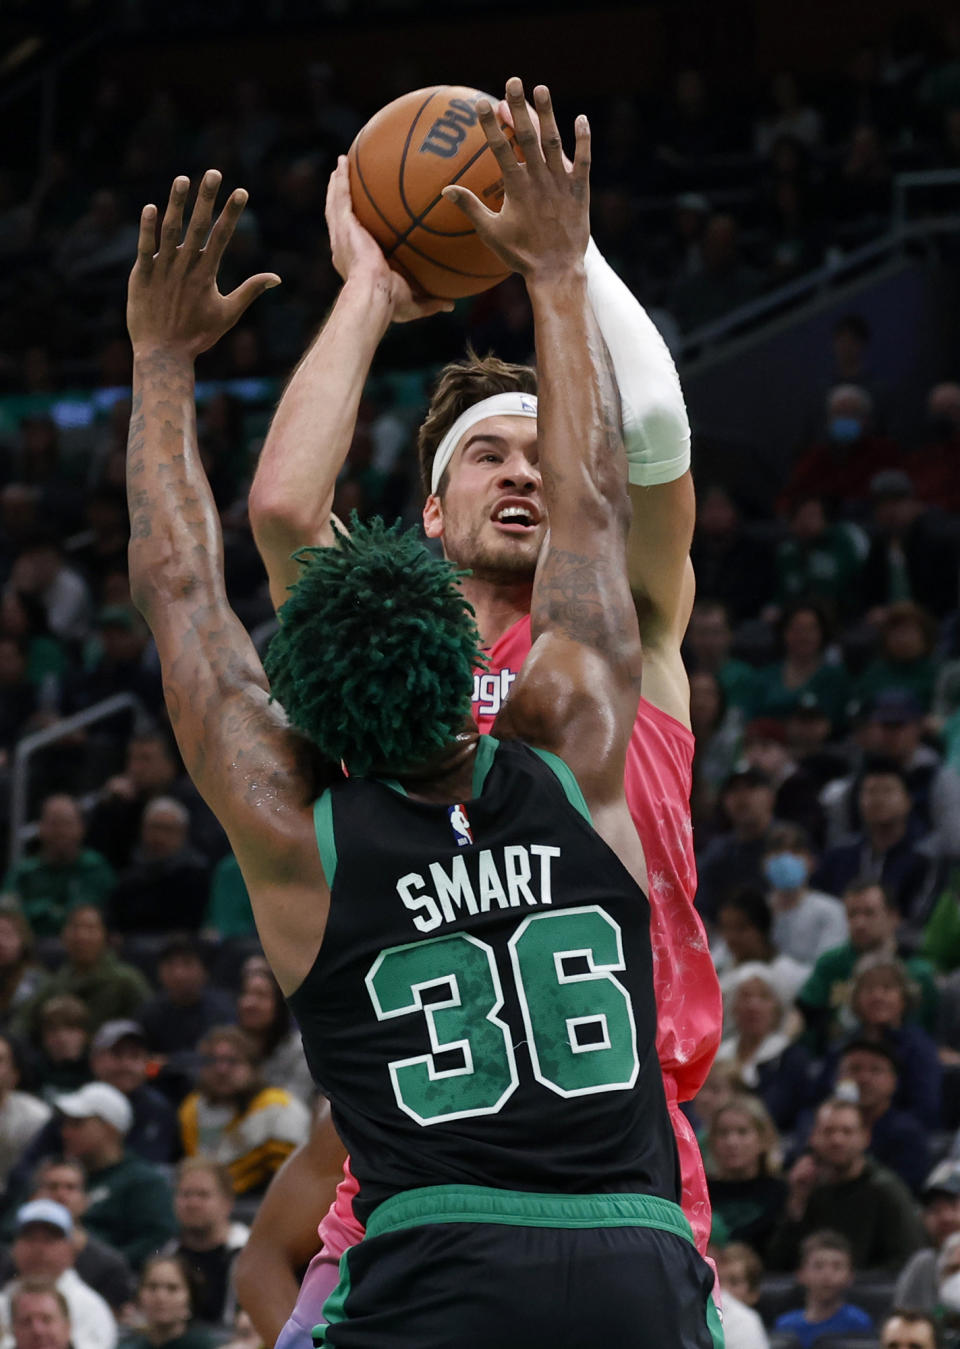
x=491, y=516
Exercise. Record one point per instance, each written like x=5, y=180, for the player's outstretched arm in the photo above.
x=578, y=692
x=656, y=433
x=291, y=498
x=283, y=1237
x=255, y=774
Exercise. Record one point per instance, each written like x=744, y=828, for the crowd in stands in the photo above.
x=151, y=1078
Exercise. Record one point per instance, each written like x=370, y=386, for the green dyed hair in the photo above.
x=376, y=649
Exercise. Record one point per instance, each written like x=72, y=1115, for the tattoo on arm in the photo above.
x=567, y=599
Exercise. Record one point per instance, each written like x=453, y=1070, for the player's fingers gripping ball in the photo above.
x=400, y=163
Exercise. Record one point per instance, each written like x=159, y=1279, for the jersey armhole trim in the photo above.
x=323, y=828
x=565, y=776
x=487, y=748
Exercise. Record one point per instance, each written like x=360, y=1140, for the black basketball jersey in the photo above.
x=481, y=1011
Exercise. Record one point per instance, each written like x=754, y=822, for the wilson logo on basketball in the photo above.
x=448, y=132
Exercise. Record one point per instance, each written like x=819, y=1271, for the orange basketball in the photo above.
x=399, y=164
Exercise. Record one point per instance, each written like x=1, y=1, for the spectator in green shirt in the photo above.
x=805, y=668
x=62, y=873
x=707, y=648
x=905, y=661
x=873, y=919
x=818, y=561
x=131, y=1203
x=111, y=989
x=228, y=911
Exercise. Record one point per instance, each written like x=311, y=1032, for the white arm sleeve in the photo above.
x=656, y=431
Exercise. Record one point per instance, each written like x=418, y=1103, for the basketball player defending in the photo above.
x=459, y=925
x=467, y=486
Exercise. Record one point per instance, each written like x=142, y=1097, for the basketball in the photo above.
x=399, y=164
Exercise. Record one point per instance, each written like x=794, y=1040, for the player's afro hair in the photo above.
x=376, y=649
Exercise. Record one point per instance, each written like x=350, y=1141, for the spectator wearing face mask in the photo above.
x=838, y=468
x=806, y=922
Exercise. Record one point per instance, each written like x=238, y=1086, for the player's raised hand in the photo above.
x=544, y=224
x=172, y=297
x=354, y=250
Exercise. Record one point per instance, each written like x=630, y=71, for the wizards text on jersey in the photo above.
x=490, y=691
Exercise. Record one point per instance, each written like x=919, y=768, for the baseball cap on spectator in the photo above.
x=100, y=1101
x=112, y=1032
x=943, y=1179
x=45, y=1211
x=892, y=484
x=893, y=707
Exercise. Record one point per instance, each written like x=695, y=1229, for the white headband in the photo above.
x=500, y=405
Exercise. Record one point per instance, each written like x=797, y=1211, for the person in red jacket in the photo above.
x=838, y=469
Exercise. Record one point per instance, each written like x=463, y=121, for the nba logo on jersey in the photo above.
x=460, y=825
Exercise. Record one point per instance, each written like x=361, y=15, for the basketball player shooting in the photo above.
x=469, y=479
x=482, y=1018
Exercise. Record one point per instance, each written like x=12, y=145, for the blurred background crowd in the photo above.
x=151, y=1080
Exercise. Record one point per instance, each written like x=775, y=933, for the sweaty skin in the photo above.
x=290, y=504
x=578, y=693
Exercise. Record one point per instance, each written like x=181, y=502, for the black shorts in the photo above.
x=454, y=1267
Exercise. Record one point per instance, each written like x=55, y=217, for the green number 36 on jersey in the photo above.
x=579, y=1021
